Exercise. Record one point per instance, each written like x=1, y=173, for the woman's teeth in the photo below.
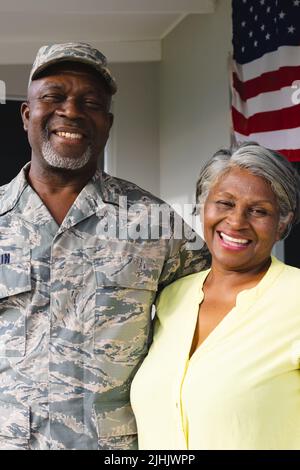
x=227, y=238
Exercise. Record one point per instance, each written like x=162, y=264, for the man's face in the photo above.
x=67, y=117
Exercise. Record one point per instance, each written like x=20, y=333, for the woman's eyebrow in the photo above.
x=232, y=196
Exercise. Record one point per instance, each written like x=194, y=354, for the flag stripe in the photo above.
x=269, y=81
x=291, y=155
x=269, y=121
x=284, y=98
x=282, y=139
x=284, y=56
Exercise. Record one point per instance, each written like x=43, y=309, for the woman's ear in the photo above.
x=201, y=221
x=283, y=226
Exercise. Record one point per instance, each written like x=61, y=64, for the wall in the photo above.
x=134, y=151
x=194, y=99
x=16, y=79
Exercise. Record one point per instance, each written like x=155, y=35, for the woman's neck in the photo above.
x=237, y=279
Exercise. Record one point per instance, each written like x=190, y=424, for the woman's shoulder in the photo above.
x=185, y=286
x=287, y=270
x=288, y=277
x=190, y=279
x=179, y=297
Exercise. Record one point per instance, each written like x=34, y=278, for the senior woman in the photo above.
x=223, y=369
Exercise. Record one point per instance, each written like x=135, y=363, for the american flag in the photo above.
x=266, y=74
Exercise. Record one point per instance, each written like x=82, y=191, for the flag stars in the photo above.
x=275, y=20
x=268, y=9
x=291, y=29
x=296, y=3
x=251, y=9
x=282, y=15
x=268, y=35
x=255, y=17
x=255, y=43
x=243, y=24
x=243, y=49
x=262, y=2
x=262, y=27
x=250, y=34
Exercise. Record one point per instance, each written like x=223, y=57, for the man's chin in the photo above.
x=66, y=163
x=55, y=160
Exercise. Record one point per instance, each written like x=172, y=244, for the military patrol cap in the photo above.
x=73, y=52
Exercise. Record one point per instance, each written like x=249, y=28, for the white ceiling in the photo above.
x=125, y=30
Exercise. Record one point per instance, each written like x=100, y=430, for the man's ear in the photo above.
x=25, y=113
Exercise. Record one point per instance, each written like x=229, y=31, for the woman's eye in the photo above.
x=258, y=212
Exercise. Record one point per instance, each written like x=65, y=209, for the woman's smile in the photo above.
x=233, y=243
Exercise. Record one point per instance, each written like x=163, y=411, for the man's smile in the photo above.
x=69, y=135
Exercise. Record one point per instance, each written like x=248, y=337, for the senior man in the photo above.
x=79, y=268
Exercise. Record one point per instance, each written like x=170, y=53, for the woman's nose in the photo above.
x=237, y=218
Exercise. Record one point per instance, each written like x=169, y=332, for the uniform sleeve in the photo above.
x=186, y=255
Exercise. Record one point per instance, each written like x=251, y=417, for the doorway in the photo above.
x=15, y=150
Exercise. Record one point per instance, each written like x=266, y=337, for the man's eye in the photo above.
x=94, y=104
x=225, y=204
x=53, y=97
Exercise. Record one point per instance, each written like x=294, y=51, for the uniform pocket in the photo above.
x=125, y=291
x=116, y=426
x=125, y=269
x=15, y=283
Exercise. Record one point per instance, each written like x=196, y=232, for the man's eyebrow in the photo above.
x=52, y=85
x=60, y=87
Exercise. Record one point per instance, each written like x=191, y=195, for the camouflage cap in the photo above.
x=72, y=52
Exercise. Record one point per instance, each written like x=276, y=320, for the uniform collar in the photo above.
x=11, y=192
x=90, y=199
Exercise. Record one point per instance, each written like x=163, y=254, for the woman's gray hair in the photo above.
x=273, y=167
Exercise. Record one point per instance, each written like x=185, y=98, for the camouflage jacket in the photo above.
x=75, y=312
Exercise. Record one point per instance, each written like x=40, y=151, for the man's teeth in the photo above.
x=233, y=240
x=69, y=135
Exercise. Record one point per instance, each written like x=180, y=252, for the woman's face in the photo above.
x=241, y=221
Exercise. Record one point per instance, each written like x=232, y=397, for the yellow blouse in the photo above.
x=241, y=388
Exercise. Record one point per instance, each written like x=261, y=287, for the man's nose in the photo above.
x=71, y=108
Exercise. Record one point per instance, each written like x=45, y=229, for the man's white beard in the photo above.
x=56, y=161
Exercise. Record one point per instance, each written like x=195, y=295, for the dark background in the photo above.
x=292, y=243
x=15, y=152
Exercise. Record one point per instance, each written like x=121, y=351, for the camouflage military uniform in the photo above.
x=75, y=316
